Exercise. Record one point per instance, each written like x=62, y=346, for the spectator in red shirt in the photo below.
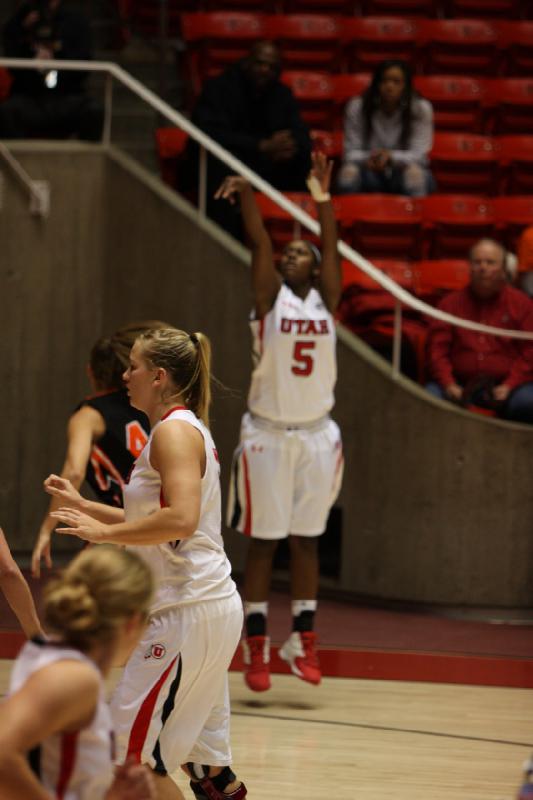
x=468, y=367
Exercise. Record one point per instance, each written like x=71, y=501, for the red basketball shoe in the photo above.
x=299, y=651
x=256, y=651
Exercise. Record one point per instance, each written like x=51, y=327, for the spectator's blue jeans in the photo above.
x=518, y=407
x=413, y=180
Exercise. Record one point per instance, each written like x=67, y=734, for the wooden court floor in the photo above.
x=376, y=740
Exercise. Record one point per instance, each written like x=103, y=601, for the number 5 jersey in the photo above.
x=294, y=360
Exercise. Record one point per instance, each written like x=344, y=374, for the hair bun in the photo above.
x=71, y=608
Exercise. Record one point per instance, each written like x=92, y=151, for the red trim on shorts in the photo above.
x=248, y=517
x=142, y=721
x=171, y=411
x=69, y=743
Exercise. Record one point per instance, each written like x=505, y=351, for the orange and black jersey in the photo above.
x=113, y=456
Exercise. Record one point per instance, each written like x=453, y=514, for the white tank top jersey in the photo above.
x=294, y=360
x=188, y=570
x=71, y=766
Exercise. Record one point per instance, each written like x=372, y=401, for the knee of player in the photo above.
x=307, y=545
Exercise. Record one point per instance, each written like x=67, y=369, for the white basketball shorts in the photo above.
x=171, y=704
x=284, y=481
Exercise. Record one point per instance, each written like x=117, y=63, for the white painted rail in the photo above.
x=403, y=298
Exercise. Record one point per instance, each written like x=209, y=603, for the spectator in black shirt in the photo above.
x=48, y=103
x=250, y=112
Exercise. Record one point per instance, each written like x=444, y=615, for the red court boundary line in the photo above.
x=410, y=666
x=393, y=665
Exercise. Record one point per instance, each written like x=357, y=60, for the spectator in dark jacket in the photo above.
x=478, y=368
x=48, y=103
x=253, y=115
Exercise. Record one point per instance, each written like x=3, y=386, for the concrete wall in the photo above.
x=437, y=503
x=50, y=296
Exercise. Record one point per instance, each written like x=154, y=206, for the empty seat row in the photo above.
x=427, y=278
x=329, y=43
x=394, y=226
x=491, y=106
x=146, y=14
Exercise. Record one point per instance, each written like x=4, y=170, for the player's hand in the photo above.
x=281, y=146
x=454, y=392
x=132, y=782
x=63, y=489
x=230, y=187
x=501, y=392
x=81, y=525
x=41, y=550
x=321, y=170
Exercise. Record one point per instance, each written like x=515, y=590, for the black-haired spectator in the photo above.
x=48, y=103
x=250, y=112
x=388, y=133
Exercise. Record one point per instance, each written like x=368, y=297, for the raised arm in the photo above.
x=329, y=280
x=84, y=428
x=177, y=452
x=266, y=281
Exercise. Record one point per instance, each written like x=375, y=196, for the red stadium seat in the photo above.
x=380, y=225
x=400, y=271
x=331, y=144
x=403, y=8
x=489, y=9
x=459, y=46
x=513, y=214
x=517, y=43
x=509, y=103
x=282, y=227
x=217, y=39
x=171, y=143
x=346, y=86
x=242, y=5
x=516, y=158
x=314, y=93
x=368, y=311
x=307, y=41
x=456, y=101
x=431, y=279
x=323, y=6
x=462, y=162
x=454, y=222
x=370, y=40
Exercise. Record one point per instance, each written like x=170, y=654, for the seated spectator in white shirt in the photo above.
x=388, y=133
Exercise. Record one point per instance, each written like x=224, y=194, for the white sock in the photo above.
x=298, y=606
x=255, y=608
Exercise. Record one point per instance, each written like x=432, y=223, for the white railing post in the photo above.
x=202, y=182
x=108, y=110
x=397, y=341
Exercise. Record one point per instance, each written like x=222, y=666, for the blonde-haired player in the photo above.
x=288, y=466
x=171, y=706
x=56, y=734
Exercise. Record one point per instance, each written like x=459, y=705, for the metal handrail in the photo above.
x=206, y=143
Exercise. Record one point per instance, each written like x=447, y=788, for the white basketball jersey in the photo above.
x=72, y=766
x=187, y=570
x=295, y=365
